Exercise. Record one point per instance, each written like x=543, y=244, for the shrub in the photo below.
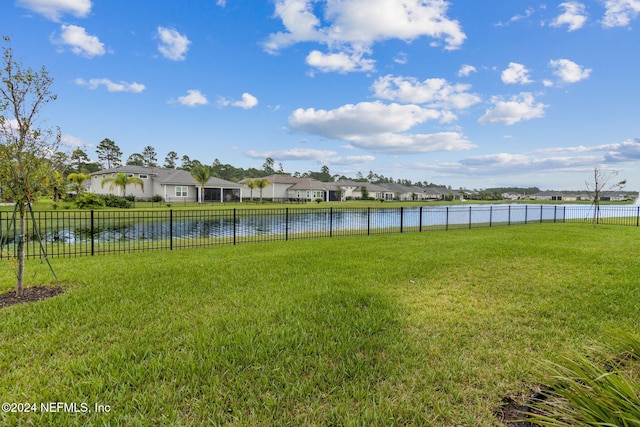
x=601, y=390
x=318, y=200
x=157, y=198
x=89, y=201
x=130, y=197
x=113, y=201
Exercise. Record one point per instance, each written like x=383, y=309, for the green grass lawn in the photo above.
x=398, y=329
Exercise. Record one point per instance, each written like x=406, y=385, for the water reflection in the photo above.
x=325, y=221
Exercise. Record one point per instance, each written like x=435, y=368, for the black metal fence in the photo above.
x=79, y=233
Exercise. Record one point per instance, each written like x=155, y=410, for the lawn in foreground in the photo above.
x=418, y=329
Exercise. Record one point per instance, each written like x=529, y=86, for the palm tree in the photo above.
x=201, y=174
x=54, y=180
x=76, y=182
x=261, y=184
x=251, y=184
x=122, y=180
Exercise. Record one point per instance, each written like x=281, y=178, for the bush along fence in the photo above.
x=79, y=233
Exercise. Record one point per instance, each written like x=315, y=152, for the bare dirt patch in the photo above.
x=36, y=293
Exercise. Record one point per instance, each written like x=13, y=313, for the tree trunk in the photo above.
x=21, y=232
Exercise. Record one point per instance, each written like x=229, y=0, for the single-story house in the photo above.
x=548, y=195
x=174, y=185
x=402, y=192
x=355, y=190
x=611, y=196
x=312, y=189
x=276, y=190
x=511, y=196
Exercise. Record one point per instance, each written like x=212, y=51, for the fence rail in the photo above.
x=81, y=233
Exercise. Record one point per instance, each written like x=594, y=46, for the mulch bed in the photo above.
x=36, y=293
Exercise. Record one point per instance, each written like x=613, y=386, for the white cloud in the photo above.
x=574, y=16
x=111, y=86
x=507, y=163
x=519, y=107
x=376, y=126
x=539, y=162
x=365, y=118
x=173, y=45
x=401, y=58
x=247, y=102
x=627, y=151
x=527, y=13
x=413, y=143
x=516, y=73
x=293, y=154
x=71, y=141
x=350, y=28
x=54, y=9
x=466, y=70
x=340, y=62
x=80, y=42
x=568, y=71
x=193, y=98
x=619, y=13
x=320, y=156
x=437, y=93
x=350, y=160
x=221, y=3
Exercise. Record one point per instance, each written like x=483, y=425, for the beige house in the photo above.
x=279, y=184
x=173, y=185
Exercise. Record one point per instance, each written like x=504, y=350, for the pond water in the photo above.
x=334, y=220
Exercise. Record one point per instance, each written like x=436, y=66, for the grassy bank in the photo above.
x=421, y=329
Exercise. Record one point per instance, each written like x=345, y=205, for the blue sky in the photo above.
x=467, y=93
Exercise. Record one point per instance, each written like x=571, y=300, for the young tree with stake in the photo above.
x=27, y=152
x=602, y=183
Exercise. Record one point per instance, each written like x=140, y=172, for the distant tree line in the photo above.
x=109, y=155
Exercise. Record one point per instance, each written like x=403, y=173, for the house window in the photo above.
x=143, y=176
x=181, y=191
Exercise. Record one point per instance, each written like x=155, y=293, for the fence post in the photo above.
x=286, y=224
x=170, y=229
x=420, y=220
x=526, y=212
x=91, y=232
x=490, y=215
x=331, y=222
x=470, y=217
x=509, y=216
x=446, y=227
x=555, y=209
x=638, y=218
x=235, y=219
x=541, y=213
x=368, y=221
x=401, y=218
